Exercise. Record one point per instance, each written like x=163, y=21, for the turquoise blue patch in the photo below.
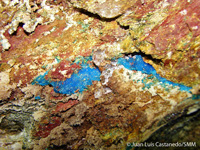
x=41, y=80
x=195, y=96
x=137, y=63
x=37, y=97
x=77, y=82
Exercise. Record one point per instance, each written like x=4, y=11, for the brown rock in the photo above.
x=104, y=8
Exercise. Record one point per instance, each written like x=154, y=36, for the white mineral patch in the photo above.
x=17, y=146
x=63, y=72
x=102, y=91
x=31, y=90
x=14, y=2
x=195, y=27
x=109, y=71
x=48, y=11
x=132, y=75
x=152, y=90
x=16, y=67
x=43, y=4
x=51, y=52
x=195, y=89
x=107, y=90
x=5, y=44
x=107, y=12
x=101, y=1
x=37, y=115
x=6, y=1
x=24, y=15
x=98, y=57
x=19, y=83
x=50, y=65
x=183, y=12
x=110, y=49
x=5, y=87
x=173, y=94
x=27, y=5
x=169, y=55
x=174, y=90
x=11, y=142
x=33, y=66
x=165, y=4
x=142, y=104
x=46, y=33
x=87, y=21
x=192, y=109
x=11, y=62
x=37, y=40
x=4, y=78
x=69, y=21
x=95, y=31
x=98, y=93
x=30, y=23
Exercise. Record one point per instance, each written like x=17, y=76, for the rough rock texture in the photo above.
x=99, y=74
x=104, y=8
x=168, y=31
x=177, y=128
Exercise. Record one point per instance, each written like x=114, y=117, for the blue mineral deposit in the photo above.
x=41, y=80
x=77, y=82
x=136, y=63
x=37, y=97
x=195, y=96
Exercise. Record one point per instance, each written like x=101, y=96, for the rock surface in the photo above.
x=99, y=74
x=168, y=31
x=104, y=8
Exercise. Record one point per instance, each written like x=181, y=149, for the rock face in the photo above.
x=91, y=74
x=168, y=31
x=104, y=8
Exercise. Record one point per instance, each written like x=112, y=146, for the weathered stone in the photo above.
x=167, y=31
x=104, y=8
x=176, y=129
x=98, y=74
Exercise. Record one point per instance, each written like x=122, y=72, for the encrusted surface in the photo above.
x=97, y=74
x=169, y=31
x=104, y=8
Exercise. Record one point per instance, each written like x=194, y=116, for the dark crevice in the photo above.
x=123, y=27
x=27, y=33
x=156, y=61
x=35, y=11
x=172, y=132
x=95, y=65
x=2, y=102
x=96, y=16
x=20, y=25
x=15, y=32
